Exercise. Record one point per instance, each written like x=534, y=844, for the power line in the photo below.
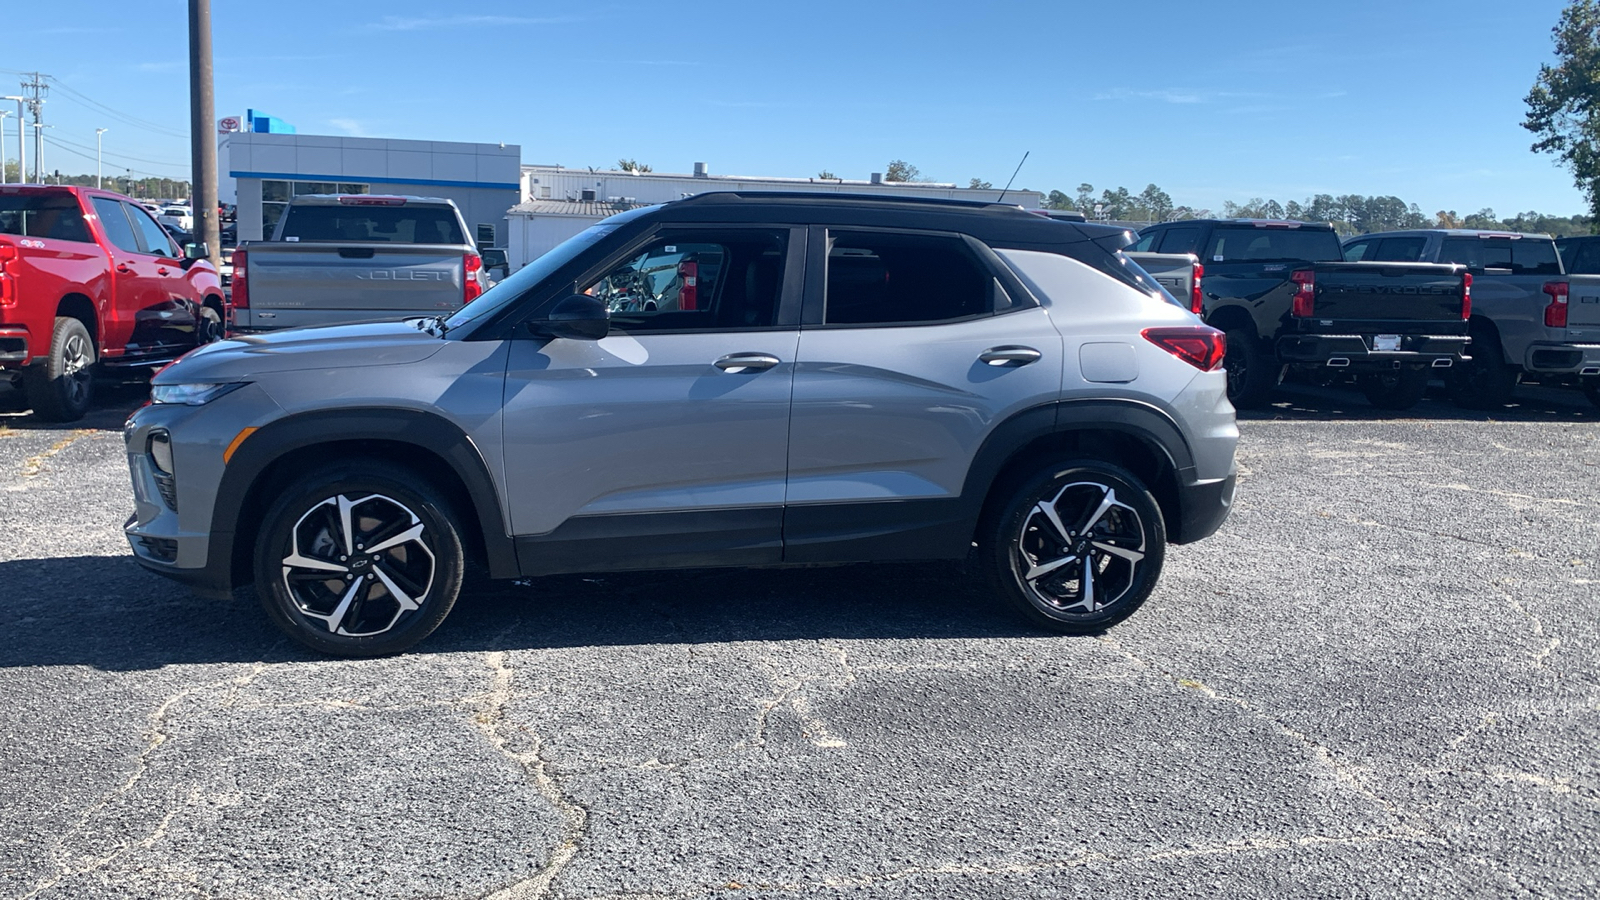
x=53, y=142
x=124, y=118
x=109, y=154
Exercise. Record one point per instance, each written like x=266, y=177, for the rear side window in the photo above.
x=409, y=224
x=49, y=216
x=1272, y=244
x=889, y=279
x=1400, y=249
x=1180, y=240
x=119, y=231
x=1522, y=256
x=1582, y=257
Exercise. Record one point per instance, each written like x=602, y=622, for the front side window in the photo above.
x=1181, y=239
x=155, y=238
x=1400, y=249
x=877, y=278
x=119, y=231
x=701, y=280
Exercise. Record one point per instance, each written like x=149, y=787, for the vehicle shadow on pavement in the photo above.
x=1531, y=403
x=108, y=613
x=113, y=403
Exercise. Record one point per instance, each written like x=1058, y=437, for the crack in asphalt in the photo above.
x=157, y=734
x=789, y=689
x=491, y=720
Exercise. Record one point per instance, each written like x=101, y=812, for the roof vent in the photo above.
x=701, y=171
x=586, y=195
x=877, y=178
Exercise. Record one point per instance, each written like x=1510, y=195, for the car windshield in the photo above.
x=1254, y=244
x=520, y=281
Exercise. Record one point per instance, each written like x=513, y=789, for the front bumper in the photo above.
x=1356, y=351
x=1563, y=359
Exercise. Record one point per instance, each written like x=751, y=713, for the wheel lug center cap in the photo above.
x=360, y=564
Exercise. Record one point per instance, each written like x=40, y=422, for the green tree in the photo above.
x=900, y=170
x=632, y=165
x=978, y=184
x=1058, y=200
x=1564, y=105
x=1085, y=198
x=825, y=175
x=1156, y=202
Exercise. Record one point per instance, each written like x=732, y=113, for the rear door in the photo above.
x=667, y=440
x=1582, y=258
x=912, y=351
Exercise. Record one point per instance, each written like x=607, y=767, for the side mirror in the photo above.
x=579, y=317
x=192, y=252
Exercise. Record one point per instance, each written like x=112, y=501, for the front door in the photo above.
x=666, y=442
x=176, y=316
x=912, y=353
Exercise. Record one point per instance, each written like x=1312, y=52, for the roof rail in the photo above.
x=830, y=197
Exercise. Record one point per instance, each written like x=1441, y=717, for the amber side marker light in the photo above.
x=227, y=455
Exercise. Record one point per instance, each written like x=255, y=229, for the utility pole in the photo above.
x=34, y=91
x=22, y=144
x=202, y=130
x=97, y=133
x=3, y=114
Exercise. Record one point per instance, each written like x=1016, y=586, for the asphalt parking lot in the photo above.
x=1382, y=678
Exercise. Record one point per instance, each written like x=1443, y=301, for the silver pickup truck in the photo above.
x=1180, y=274
x=1531, y=321
x=340, y=258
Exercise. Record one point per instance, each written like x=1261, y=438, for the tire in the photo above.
x=62, y=388
x=1396, y=390
x=1484, y=381
x=208, y=327
x=1591, y=389
x=1251, y=370
x=1102, y=514
x=410, y=584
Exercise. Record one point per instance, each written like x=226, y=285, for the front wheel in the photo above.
x=1077, y=548
x=1397, y=389
x=362, y=559
x=61, y=389
x=208, y=327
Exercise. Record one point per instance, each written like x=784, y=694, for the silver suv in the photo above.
x=727, y=380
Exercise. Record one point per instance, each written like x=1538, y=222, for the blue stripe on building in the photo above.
x=369, y=179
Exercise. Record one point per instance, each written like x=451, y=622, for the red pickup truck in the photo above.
x=88, y=280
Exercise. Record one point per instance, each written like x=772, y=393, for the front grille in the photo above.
x=168, y=486
x=160, y=549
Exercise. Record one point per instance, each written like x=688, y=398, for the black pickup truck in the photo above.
x=1287, y=300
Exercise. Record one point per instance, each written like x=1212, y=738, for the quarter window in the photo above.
x=892, y=279
x=710, y=280
x=115, y=222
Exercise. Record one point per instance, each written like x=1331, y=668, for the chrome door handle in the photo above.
x=746, y=362
x=1010, y=356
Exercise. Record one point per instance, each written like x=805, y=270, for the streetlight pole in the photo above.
x=22, y=142
x=97, y=133
x=3, y=114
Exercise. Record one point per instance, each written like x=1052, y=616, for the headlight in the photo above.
x=191, y=394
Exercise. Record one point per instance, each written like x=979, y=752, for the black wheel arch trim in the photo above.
x=424, y=430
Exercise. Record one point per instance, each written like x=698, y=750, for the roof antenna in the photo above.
x=1014, y=175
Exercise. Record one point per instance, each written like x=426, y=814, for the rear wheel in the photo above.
x=363, y=559
x=61, y=389
x=1251, y=372
x=1396, y=389
x=1484, y=381
x=1077, y=548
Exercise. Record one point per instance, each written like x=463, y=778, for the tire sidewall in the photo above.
x=406, y=488
x=1001, y=553
x=1253, y=389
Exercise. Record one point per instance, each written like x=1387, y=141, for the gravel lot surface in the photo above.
x=1380, y=679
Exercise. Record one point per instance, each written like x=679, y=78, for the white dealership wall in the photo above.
x=482, y=179
x=558, y=202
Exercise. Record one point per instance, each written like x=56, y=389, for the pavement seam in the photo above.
x=34, y=465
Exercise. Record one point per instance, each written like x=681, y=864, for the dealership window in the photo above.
x=486, y=235
x=275, y=197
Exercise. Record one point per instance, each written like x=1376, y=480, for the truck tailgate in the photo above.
x=382, y=280
x=1408, y=292
x=1583, y=308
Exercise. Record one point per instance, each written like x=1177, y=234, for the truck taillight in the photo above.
x=1305, y=293
x=1466, y=296
x=1196, y=298
x=472, y=278
x=241, y=283
x=1200, y=346
x=689, y=291
x=1555, y=315
x=8, y=284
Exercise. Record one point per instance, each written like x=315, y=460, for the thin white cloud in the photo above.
x=1164, y=96
x=350, y=127
x=161, y=66
x=403, y=23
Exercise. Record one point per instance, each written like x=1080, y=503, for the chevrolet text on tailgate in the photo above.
x=1287, y=301
x=341, y=258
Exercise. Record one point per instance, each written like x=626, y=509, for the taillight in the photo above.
x=1200, y=346
x=1196, y=298
x=241, y=283
x=1466, y=296
x=8, y=286
x=689, y=292
x=472, y=278
x=1555, y=315
x=1305, y=293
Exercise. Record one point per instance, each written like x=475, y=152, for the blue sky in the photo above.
x=1421, y=99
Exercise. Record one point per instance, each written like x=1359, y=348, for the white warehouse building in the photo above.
x=558, y=202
